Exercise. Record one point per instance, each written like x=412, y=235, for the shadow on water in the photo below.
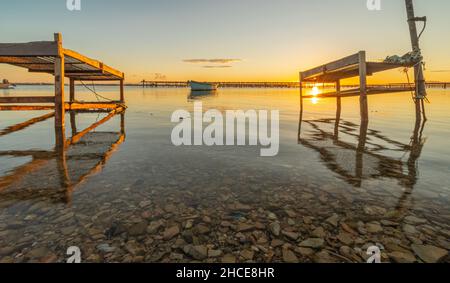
x=195, y=95
x=54, y=175
x=357, y=153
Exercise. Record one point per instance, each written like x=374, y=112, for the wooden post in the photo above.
x=73, y=123
x=59, y=94
x=122, y=95
x=338, y=110
x=364, y=109
x=72, y=90
x=301, y=107
x=418, y=70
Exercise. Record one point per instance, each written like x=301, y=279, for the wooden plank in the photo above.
x=45, y=69
x=347, y=61
x=91, y=106
x=331, y=77
x=88, y=77
x=357, y=92
x=27, y=99
x=41, y=48
x=17, y=60
x=25, y=107
x=93, y=63
x=375, y=67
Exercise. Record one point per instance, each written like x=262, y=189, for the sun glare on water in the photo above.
x=315, y=91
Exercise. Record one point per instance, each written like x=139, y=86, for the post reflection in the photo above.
x=53, y=176
x=357, y=153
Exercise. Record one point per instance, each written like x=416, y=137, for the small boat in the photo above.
x=198, y=86
x=6, y=85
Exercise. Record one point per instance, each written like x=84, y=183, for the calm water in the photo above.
x=124, y=193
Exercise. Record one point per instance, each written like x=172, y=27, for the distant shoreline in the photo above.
x=182, y=84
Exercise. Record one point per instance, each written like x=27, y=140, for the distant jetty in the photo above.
x=184, y=84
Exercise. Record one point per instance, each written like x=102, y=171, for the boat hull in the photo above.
x=6, y=86
x=197, y=86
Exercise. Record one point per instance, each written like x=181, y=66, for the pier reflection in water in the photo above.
x=53, y=176
x=363, y=159
x=357, y=153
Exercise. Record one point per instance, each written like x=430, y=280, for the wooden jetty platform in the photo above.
x=355, y=65
x=51, y=57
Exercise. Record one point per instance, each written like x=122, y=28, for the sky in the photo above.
x=256, y=40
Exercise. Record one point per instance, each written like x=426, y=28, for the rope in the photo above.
x=423, y=29
x=98, y=95
x=406, y=70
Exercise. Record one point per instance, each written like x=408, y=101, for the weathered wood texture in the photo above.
x=40, y=57
x=50, y=57
x=27, y=99
x=345, y=68
x=363, y=86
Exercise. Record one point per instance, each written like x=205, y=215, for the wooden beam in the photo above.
x=72, y=90
x=122, y=95
x=28, y=99
x=356, y=92
x=91, y=106
x=363, y=86
x=31, y=49
x=93, y=63
x=341, y=63
x=26, y=107
x=17, y=60
x=59, y=86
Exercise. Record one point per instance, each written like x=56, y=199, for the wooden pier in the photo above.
x=52, y=58
x=355, y=65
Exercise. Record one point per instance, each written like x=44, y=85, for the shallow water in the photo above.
x=124, y=193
